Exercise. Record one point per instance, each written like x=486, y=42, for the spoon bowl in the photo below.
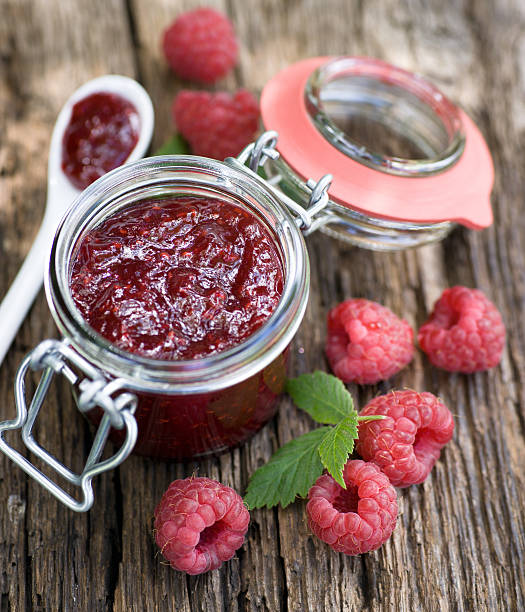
x=61, y=194
x=60, y=191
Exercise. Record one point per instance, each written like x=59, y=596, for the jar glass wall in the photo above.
x=352, y=226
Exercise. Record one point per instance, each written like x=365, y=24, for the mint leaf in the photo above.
x=291, y=471
x=336, y=445
x=295, y=467
x=322, y=395
x=174, y=146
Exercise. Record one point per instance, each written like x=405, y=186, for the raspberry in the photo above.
x=407, y=443
x=200, y=45
x=465, y=332
x=216, y=125
x=199, y=523
x=357, y=519
x=367, y=342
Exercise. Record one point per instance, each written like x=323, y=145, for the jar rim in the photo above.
x=121, y=187
x=395, y=98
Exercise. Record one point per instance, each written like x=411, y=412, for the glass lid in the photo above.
x=397, y=148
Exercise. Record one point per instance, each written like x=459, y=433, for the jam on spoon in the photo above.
x=102, y=132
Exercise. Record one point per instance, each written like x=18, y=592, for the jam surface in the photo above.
x=101, y=134
x=177, y=279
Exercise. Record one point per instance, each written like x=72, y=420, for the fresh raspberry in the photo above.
x=407, y=443
x=216, y=125
x=199, y=523
x=200, y=45
x=367, y=342
x=357, y=519
x=465, y=332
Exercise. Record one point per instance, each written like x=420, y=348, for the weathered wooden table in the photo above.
x=459, y=543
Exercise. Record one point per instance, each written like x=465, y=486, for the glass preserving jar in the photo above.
x=189, y=409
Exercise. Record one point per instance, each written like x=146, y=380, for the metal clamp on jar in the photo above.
x=193, y=408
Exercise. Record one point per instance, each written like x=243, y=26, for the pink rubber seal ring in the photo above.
x=459, y=193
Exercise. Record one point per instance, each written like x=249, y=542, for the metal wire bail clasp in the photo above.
x=308, y=219
x=55, y=357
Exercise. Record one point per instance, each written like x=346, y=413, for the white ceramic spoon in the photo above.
x=60, y=195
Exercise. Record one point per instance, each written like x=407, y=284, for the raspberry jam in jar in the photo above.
x=177, y=279
x=102, y=132
x=185, y=279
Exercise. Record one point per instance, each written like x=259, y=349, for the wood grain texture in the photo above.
x=460, y=539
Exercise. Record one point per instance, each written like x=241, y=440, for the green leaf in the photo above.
x=322, y=395
x=174, y=146
x=336, y=445
x=291, y=471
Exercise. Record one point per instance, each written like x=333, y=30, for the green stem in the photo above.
x=372, y=417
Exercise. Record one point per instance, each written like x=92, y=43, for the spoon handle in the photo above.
x=24, y=289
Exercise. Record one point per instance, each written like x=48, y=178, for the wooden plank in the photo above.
x=237, y=586
x=459, y=543
x=52, y=559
